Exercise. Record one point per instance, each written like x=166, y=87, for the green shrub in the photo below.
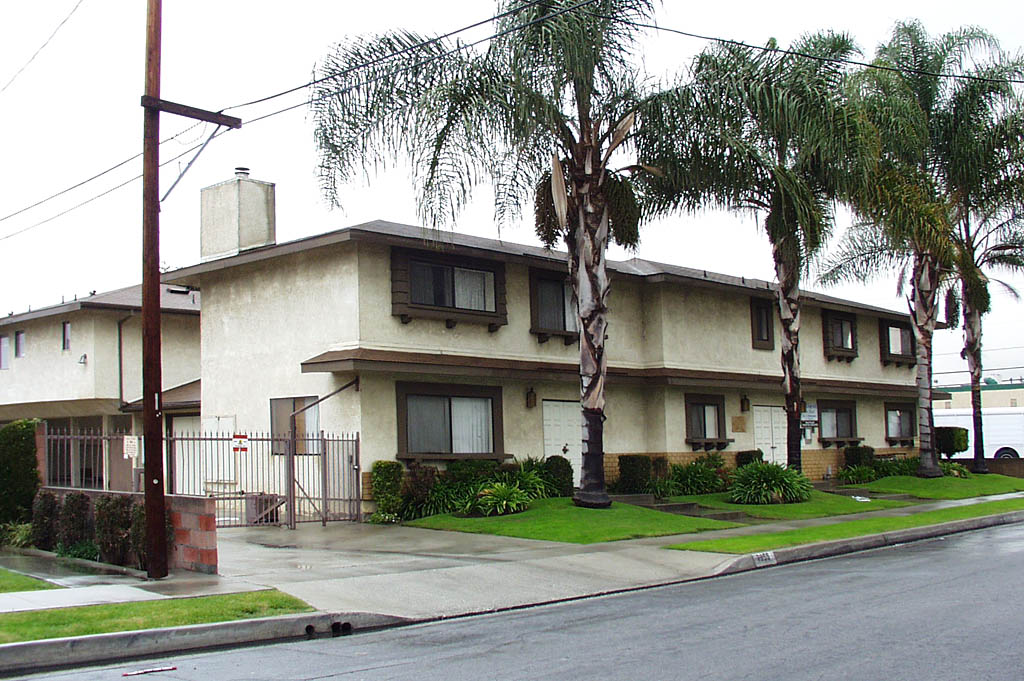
x=378, y=518
x=662, y=488
x=659, y=467
x=137, y=535
x=698, y=478
x=113, y=527
x=500, y=499
x=711, y=460
x=896, y=466
x=75, y=523
x=559, y=474
x=950, y=440
x=748, y=456
x=634, y=473
x=857, y=475
x=415, y=490
x=45, y=511
x=528, y=481
x=769, y=483
x=471, y=470
x=19, y=476
x=18, y=535
x=86, y=550
x=386, y=485
x=954, y=470
x=446, y=496
x=858, y=456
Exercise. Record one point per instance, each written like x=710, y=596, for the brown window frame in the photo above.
x=406, y=310
x=543, y=334
x=692, y=400
x=828, y=317
x=757, y=304
x=19, y=344
x=900, y=440
x=404, y=389
x=838, y=441
x=885, y=352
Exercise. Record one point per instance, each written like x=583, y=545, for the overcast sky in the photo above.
x=74, y=111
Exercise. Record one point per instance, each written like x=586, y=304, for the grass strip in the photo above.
x=945, y=487
x=12, y=581
x=562, y=521
x=100, y=619
x=845, y=530
x=820, y=505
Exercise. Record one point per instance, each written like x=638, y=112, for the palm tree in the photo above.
x=951, y=155
x=538, y=112
x=766, y=131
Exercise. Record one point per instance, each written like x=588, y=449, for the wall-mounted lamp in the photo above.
x=83, y=359
x=531, y=399
x=744, y=403
x=803, y=406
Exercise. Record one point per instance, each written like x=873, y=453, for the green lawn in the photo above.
x=845, y=530
x=946, y=487
x=560, y=520
x=820, y=505
x=99, y=619
x=12, y=581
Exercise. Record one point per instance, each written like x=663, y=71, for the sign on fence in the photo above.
x=131, y=447
x=240, y=444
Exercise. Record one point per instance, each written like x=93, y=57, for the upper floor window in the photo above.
x=840, y=335
x=452, y=288
x=837, y=422
x=441, y=421
x=762, y=324
x=65, y=335
x=5, y=352
x=552, y=312
x=705, y=421
x=900, y=424
x=19, y=343
x=896, y=341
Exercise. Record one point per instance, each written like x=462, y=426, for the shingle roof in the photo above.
x=173, y=299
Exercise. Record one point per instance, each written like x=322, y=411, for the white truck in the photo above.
x=1003, y=429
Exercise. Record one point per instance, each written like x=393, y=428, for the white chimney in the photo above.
x=236, y=215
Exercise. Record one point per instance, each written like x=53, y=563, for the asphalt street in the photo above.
x=940, y=609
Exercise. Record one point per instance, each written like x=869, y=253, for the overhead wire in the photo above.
x=41, y=47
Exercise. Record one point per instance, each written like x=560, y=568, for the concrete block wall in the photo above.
x=194, y=521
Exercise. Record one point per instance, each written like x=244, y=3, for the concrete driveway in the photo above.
x=417, y=573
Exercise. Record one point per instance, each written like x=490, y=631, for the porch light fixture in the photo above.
x=531, y=399
x=803, y=406
x=744, y=403
x=83, y=359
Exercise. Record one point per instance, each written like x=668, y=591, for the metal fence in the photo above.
x=256, y=479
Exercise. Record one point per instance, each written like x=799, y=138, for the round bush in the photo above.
x=558, y=471
x=769, y=483
x=697, y=478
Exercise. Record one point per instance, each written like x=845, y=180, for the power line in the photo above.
x=404, y=50
x=36, y=53
x=1012, y=347
x=794, y=53
x=964, y=371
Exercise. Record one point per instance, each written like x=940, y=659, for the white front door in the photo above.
x=770, y=433
x=563, y=433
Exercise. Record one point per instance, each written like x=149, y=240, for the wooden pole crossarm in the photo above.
x=191, y=112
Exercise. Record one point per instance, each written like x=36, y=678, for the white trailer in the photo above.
x=1003, y=428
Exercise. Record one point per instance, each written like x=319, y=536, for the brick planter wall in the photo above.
x=195, y=528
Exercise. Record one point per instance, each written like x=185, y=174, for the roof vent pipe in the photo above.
x=242, y=172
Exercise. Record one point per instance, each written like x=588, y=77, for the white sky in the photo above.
x=74, y=111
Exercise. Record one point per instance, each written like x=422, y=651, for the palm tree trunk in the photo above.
x=789, y=315
x=972, y=351
x=590, y=283
x=923, y=314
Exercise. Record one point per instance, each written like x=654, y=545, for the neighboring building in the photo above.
x=992, y=395
x=78, y=365
x=466, y=348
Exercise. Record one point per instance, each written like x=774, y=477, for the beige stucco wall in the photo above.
x=46, y=372
x=261, y=322
x=867, y=366
x=989, y=398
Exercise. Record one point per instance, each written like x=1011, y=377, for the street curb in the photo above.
x=37, y=656
x=795, y=554
x=95, y=566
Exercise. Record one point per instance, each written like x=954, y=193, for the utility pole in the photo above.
x=152, y=408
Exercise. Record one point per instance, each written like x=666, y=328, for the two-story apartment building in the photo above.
x=466, y=347
x=78, y=366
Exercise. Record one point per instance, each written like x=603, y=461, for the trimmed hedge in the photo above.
x=75, y=522
x=19, y=475
x=950, y=440
x=558, y=472
x=634, y=473
x=386, y=484
x=45, y=511
x=748, y=456
x=471, y=470
x=113, y=527
x=859, y=456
